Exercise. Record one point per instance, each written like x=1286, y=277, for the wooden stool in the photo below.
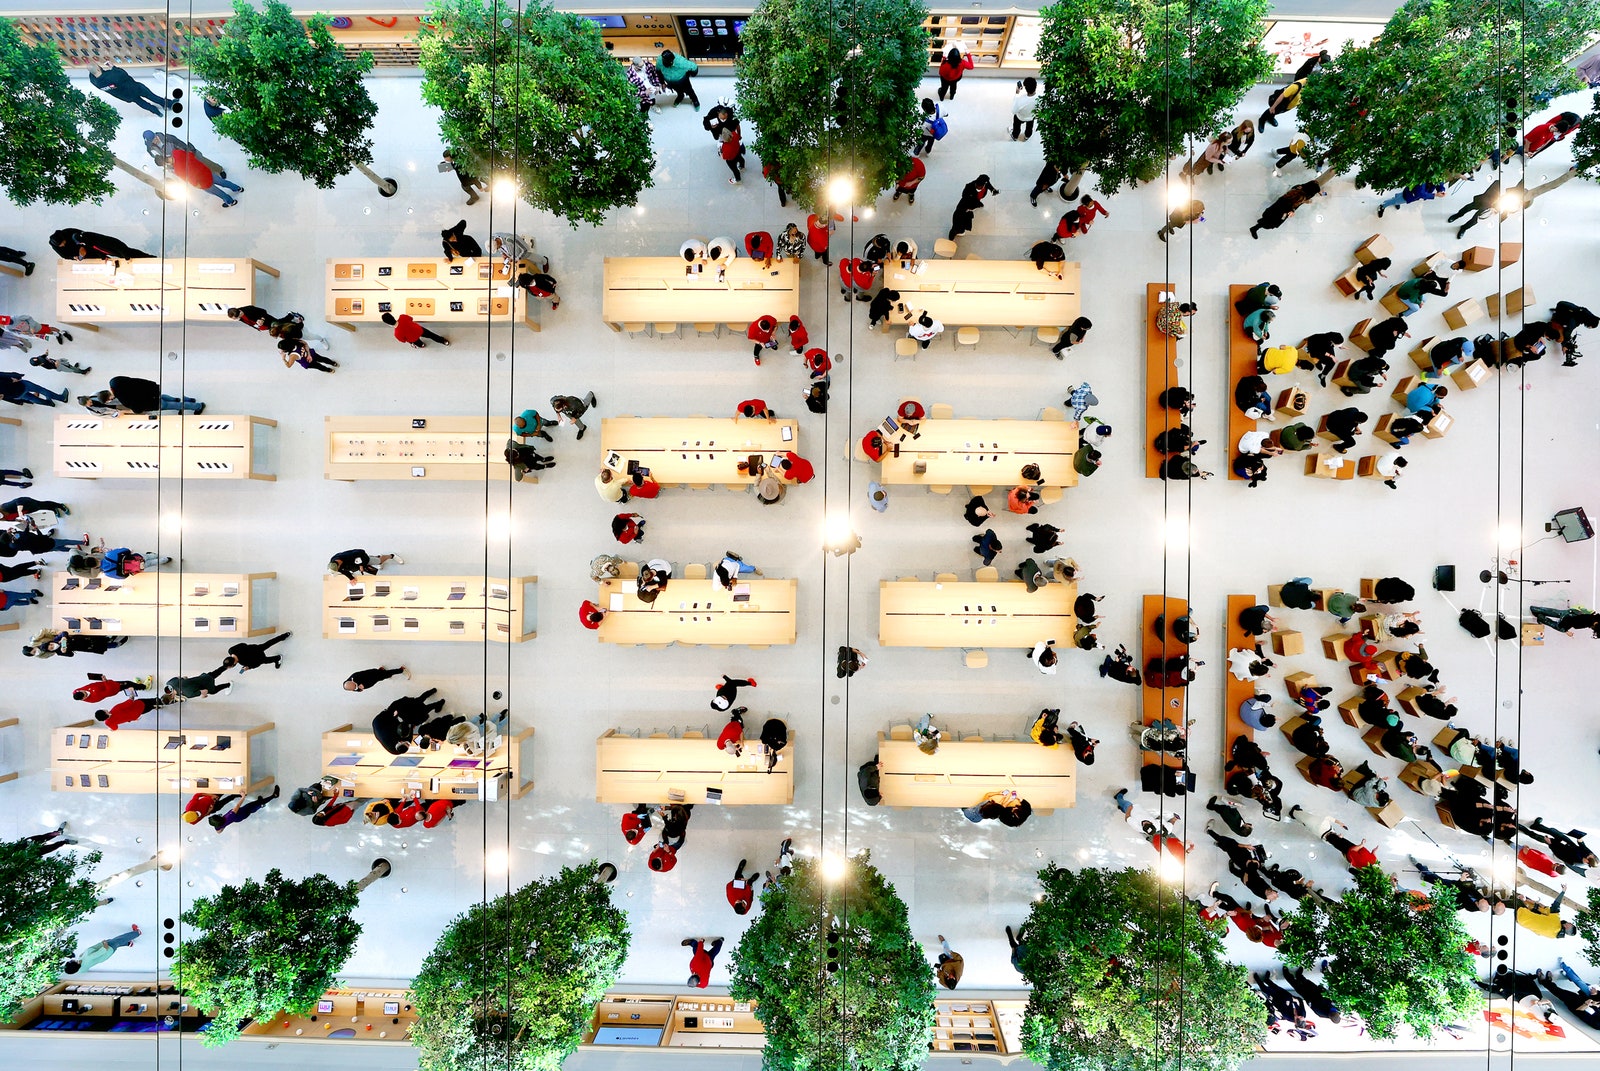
x=1388, y=663
x=714, y=330
x=1510, y=253
x=1391, y=301
x=1463, y=313
x=1445, y=816
x=906, y=347
x=1515, y=302
x=1532, y=634
x=1389, y=815
x=1292, y=726
x=1477, y=258
x=1439, y=426
x=1421, y=356
x=1347, y=284
x=1358, y=334
x=1405, y=387
x=1322, y=595
x=1414, y=773
x=1432, y=262
x=1369, y=587
x=944, y=247
x=1333, y=646
x=1275, y=595
x=1381, y=429
x=1323, y=432
x=1447, y=736
x=1341, y=378
x=1330, y=467
x=635, y=330
x=1292, y=402
x=967, y=336
x=1367, y=466
x=975, y=659
x=1045, y=336
x=1288, y=642
x=665, y=330
x=1297, y=682
x=1373, y=248
x=1349, y=710
x=1373, y=738
x=1408, y=700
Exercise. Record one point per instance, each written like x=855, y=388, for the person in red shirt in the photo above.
x=406, y=813
x=1070, y=225
x=798, y=335
x=703, y=955
x=644, y=487
x=796, y=468
x=203, y=804
x=1534, y=859
x=101, y=688
x=126, y=711
x=436, y=811
x=662, y=858
x=628, y=528
x=951, y=68
x=769, y=173
x=635, y=823
x=1357, y=855
x=760, y=332
x=741, y=891
x=1089, y=210
x=908, y=183
x=334, y=814
x=590, y=615
x=758, y=245
x=753, y=408
x=872, y=445
x=408, y=331
x=817, y=231
x=855, y=278
x=1022, y=500
x=818, y=362
x=732, y=151
x=732, y=736
x=191, y=169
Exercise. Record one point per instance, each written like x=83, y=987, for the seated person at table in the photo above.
x=731, y=567
x=1178, y=440
x=1319, y=350
x=1346, y=424
x=693, y=253
x=1047, y=256
x=653, y=580
x=1364, y=375
x=1451, y=352
x=1252, y=398
x=1178, y=398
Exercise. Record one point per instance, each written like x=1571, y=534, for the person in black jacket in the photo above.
x=1364, y=374
x=350, y=562
x=70, y=243
x=1391, y=589
x=458, y=243
x=362, y=679
x=116, y=82
x=248, y=656
x=19, y=391
x=397, y=723
x=1346, y=424
x=130, y=394
x=1385, y=334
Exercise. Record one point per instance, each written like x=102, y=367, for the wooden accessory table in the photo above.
x=87, y=757
x=988, y=293
x=698, y=451
x=9, y=723
x=982, y=453
x=998, y=613
x=366, y=771
x=1157, y=702
x=91, y=292
x=700, y=612
x=171, y=446
x=392, y=448
x=459, y=609
x=656, y=290
x=1236, y=691
x=633, y=770
x=430, y=289
x=1242, y=361
x=1160, y=372
x=360, y=1015
x=224, y=606
x=961, y=773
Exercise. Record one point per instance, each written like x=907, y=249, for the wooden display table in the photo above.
x=446, y=772
x=153, y=290
x=981, y=453
x=459, y=609
x=1242, y=361
x=962, y=773
x=656, y=290
x=430, y=289
x=979, y=293
x=171, y=445
x=1158, y=703
x=997, y=613
x=631, y=770
x=87, y=757
x=756, y=613
x=227, y=606
x=1236, y=691
x=393, y=448
x=698, y=451
x=363, y=1015
x=9, y=723
x=1160, y=372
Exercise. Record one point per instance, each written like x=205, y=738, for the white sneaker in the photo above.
x=397, y=559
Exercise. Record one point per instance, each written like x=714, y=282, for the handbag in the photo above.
x=939, y=127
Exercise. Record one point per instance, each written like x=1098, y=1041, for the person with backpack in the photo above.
x=934, y=127
x=868, y=777
x=774, y=737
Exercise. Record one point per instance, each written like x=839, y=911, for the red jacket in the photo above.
x=798, y=335
x=700, y=964
x=760, y=330
x=732, y=147
x=407, y=814
x=202, y=803
x=817, y=232
x=736, y=896
x=818, y=362
x=758, y=405
x=94, y=691
x=338, y=816
x=189, y=168
x=758, y=245
x=951, y=72
x=853, y=271
x=646, y=488
x=913, y=178
x=633, y=827
x=800, y=470
x=732, y=733
x=125, y=711
x=1534, y=859
x=406, y=329
x=1360, y=856
x=590, y=615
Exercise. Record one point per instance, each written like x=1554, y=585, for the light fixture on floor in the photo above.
x=833, y=868
x=839, y=535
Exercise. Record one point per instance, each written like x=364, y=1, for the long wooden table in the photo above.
x=960, y=774
x=656, y=290
x=458, y=609
x=988, y=453
x=391, y=448
x=630, y=769
x=359, y=290
x=700, y=612
x=974, y=614
x=366, y=771
x=171, y=445
x=1158, y=703
x=1236, y=691
x=1160, y=372
x=1242, y=361
x=1007, y=293
x=695, y=450
x=226, y=606
x=87, y=757
x=148, y=290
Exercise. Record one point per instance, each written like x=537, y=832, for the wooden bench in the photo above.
x=1241, y=363
x=1236, y=691
x=1160, y=372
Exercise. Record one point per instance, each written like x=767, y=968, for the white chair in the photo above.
x=944, y=247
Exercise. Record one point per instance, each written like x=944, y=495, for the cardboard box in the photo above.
x=1375, y=247
x=1420, y=354
x=1463, y=313
x=1288, y=642
x=1477, y=258
x=1358, y=334
x=1333, y=646
x=1347, y=284
x=1515, y=302
x=1297, y=681
x=1470, y=376
x=1432, y=262
x=1510, y=253
x=1391, y=301
x=1389, y=815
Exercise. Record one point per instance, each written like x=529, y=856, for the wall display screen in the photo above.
x=710, y=36
x=628, y=1035
x=609, y=22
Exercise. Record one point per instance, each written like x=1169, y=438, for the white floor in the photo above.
x=1522, y=449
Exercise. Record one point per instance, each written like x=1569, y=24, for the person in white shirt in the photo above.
x=510, y=248
x=1044, y=656
x=1248, y=665
x=693, y=253
x=1259, y=442
x=926, y=329
x=1023, y=105
x=1389, y=467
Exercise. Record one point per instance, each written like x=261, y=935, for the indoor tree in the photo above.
x=57, y=138
x=46, y=897
x=1447, y=83
x=1126, y=976
x=1127, y=81
x=295, y=101
x=512, y=983
x=1392, y=958
x=1589, y=925
x=832, y=92
x=268, y=948
x=838, y=979
x=530, y=95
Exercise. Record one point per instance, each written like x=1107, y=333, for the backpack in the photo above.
x=775, y=734
x=867, y=781
x=939, y=127
x=1474, y=624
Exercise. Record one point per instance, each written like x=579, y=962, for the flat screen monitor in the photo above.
x=609, y=22
x=710, y=36
x=628, y=1035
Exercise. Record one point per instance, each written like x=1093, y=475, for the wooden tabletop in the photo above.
x=972, y=614
x=146, y=290
x=695, y=450
x=700, y=611
x=960, y=774
x=656, y=290
x=390, y=448
x=402, y=606
x=176, y=445
x=1009, y=293
x=431, y=289
x=446, y=772
x=631, y=769
x=88, y=757
x=225, y=606
x=983, y=452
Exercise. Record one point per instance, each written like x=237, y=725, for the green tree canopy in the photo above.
x=267, y=948
x=1126, y=81
x=55, y=136
x=535, y=96
x=1126, y=976
x=1586, y=144
x=1589, y=926
x=46, y=897
x=1392, y=959
x=295, y=101
x=1444, y=85
x=832, y=91
x=839, y=980
x=512, y=984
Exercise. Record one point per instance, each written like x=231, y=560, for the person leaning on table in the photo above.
x=925, y=330
x=1044, y=656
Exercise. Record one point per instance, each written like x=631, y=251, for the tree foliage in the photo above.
x=512, y=983
x=1589, y=925
x=535, y=96
x=1126, y=81
x=832, y=90
x=1446, y=84
x=265, y=948
x=839, y=980
x=56, y=137
x=1392, y=958
x=1126, y=976
x=1586, y=144
x=295, y=101
x=46, y=897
